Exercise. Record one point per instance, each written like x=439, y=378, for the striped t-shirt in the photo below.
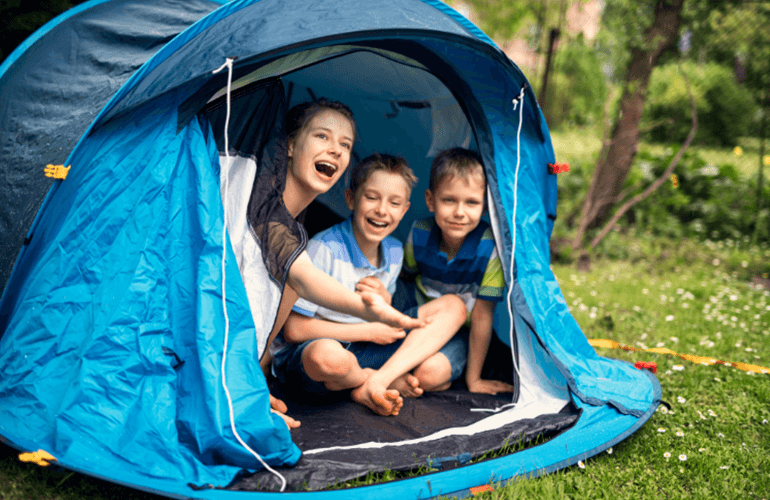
x=336, y=252
x=475, y=272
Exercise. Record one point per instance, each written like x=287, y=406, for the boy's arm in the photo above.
x=314, y=285
x=301, y=328
x=478, y=345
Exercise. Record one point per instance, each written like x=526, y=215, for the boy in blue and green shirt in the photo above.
x=454, y=252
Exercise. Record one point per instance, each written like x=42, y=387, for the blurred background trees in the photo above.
x=616, y=103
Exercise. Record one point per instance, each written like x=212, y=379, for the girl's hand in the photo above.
x=374, y=285
x=279, y=407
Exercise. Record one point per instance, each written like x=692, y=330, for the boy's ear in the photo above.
x=291, y=148
x=429, y=200
x=350, y=199
x=406, y=207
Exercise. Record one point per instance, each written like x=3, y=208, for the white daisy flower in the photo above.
x=683, y=458
x=581, y=464
x=677, y=368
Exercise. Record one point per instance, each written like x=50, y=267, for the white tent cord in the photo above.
x=517, y=102
x=229, y=65
x=494, y=410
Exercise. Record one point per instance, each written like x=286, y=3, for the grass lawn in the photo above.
x=714, y=443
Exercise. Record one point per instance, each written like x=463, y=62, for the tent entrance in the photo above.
x=400, y=108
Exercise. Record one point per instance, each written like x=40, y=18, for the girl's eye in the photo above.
x=321, y=136
x=346, y=145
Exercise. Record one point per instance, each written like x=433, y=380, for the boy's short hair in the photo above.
x=377, y=161
x=301, y=114
x=455, y=161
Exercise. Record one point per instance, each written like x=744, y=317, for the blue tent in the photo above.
x=116, y=353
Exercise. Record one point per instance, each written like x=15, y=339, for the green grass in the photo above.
x=710, y=308
x=575, y=146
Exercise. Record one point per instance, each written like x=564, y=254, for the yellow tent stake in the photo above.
x=39, y=457
x=703, y=360
x=57, y=171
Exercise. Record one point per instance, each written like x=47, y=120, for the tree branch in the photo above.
x=658, y=182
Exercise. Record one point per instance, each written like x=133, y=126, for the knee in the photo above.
x=326, y=358
x=435, y=373
x=456, y=307
x=450, y=307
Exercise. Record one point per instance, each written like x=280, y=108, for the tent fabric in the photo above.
x=84, y=55
x=113, y=330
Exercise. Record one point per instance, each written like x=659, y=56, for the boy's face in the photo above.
x=378, y=206
x=320, y=153
x=457, y=203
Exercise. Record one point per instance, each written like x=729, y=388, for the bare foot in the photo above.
x=408, y=386
x=377, y=398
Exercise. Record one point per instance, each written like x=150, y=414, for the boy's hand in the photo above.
x=385, y=313
x=481, y=386
x=382, y=334
x=373, y=284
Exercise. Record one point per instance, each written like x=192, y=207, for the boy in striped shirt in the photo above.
x=454, y=252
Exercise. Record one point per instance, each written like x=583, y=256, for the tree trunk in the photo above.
x=613, y=168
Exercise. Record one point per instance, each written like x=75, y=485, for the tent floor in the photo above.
x=336, y=424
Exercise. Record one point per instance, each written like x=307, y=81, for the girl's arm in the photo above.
x=478, y=345
x=300, y=328
x=314, y=285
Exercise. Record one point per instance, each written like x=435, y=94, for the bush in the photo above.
x=577, y=88
x=707, y=202
x=724, y=108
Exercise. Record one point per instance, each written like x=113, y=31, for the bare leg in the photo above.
x=435, y=373
x=445, y=316
x=326, y=361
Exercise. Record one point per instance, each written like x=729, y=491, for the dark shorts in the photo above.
x=288, y=367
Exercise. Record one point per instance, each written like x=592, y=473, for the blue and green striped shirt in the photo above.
x=474, y=273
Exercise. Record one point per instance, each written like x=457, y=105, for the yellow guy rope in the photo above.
x=704, y=360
